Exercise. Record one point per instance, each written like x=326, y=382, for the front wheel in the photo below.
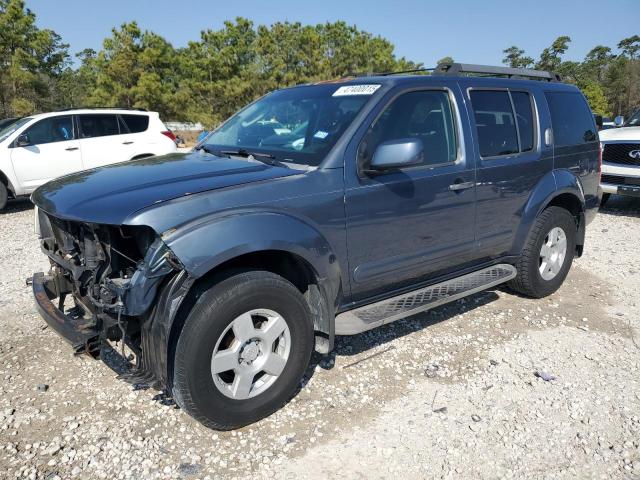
x=243, y=350
x=547, y=255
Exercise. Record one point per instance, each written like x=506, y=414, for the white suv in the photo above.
x=36, y=149
x=621, y=159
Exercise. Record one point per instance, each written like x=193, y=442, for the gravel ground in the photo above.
x=453, y=393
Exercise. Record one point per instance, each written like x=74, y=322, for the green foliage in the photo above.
x=610, y=82
x=515, y=58
x=227, y=68
x=31, y=58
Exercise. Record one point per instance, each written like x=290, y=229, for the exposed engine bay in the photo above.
x=112, y=274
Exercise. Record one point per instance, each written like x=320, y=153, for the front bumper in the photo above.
x=79, y=332
x=620, y=179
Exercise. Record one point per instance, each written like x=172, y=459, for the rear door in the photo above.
x=407, y=225
x=53, y=151
x=511, y=158
x=101, y=140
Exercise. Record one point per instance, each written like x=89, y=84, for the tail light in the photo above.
x=169, y=134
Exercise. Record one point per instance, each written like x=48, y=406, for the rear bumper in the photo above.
x=79, y=332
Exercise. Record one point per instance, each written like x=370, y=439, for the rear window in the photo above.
x=571, y=119
x=98, y=125
x=135, y=123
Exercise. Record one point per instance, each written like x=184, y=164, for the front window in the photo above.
x=12, y=127
x=51, y=130
x=634, y=121
x=297, y=125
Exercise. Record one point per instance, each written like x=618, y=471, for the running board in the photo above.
x=392, y=309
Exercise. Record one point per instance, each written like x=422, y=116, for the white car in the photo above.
x=39, y=148
x=621, y=159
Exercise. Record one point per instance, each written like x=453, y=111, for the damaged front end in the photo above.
x=110, y=283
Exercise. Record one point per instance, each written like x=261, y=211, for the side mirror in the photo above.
x=23, y=140
x=403, y=152
x=619, y=120
x=599, y=122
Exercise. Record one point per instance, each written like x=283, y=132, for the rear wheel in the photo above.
x=4, y=195
x=548, y=254
x=243, y=350
x=605, y=199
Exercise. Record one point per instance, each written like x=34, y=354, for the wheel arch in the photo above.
x=7, y=183
x=212, y=250
x=559, y=188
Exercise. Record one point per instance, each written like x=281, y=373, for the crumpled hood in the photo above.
x=630, y=134
x=108, y=195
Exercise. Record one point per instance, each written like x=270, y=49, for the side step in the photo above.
x=392, y=309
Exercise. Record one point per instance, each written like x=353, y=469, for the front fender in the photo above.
x=552, y=185
x=202, y=246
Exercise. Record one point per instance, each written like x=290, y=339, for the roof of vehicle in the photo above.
x=75, y=111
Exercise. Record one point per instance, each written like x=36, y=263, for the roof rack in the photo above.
x=456, y=69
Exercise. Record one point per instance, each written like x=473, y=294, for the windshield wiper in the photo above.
x=261, y=157
x=243, y=152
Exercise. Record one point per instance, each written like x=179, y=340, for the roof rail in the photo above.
x=102, y=108
x=456, y=69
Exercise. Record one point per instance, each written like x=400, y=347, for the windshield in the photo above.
x=298, y=125
x=634, y=121
x=12, y=127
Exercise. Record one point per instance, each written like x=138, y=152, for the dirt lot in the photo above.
x=451, y=393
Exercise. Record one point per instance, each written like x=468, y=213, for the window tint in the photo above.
x=524, y=118
x=49, y=130
x=497, y=133
x=136, y=123
x=571, y=119
x=425, y=115
x=99, y=125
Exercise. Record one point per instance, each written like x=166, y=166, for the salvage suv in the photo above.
x=318, y=210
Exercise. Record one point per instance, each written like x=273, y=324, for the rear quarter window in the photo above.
x=135, y=123
x=571, y=119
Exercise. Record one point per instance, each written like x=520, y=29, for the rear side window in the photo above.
x=497, y=134
x=571, y=119
x=50, y=130
x=524, y=119
x=135, y=123
x=98, y=125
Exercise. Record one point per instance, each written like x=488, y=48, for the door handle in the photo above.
x=71, y=149
x=127, y=143
x=457, y=187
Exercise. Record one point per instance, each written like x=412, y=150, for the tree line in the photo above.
x=224, y=69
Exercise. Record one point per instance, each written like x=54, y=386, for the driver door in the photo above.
x=52, y=151
x=407, y=225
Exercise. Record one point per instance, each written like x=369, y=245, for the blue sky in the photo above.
x=472, y=31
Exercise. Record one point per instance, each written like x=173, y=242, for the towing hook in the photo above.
x=29, y=281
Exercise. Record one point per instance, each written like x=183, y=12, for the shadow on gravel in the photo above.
x=17, y=206
x=622, y=206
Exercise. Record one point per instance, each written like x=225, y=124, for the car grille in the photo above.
x=618, y=180
x=619, y=153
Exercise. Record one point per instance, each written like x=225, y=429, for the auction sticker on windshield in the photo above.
x=356, y=90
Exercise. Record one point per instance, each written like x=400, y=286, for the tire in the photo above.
x=211, y=325
x=4, y=196
x=605, y=199
x=529, y=280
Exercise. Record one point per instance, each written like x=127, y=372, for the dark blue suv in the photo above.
x=320, y=210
